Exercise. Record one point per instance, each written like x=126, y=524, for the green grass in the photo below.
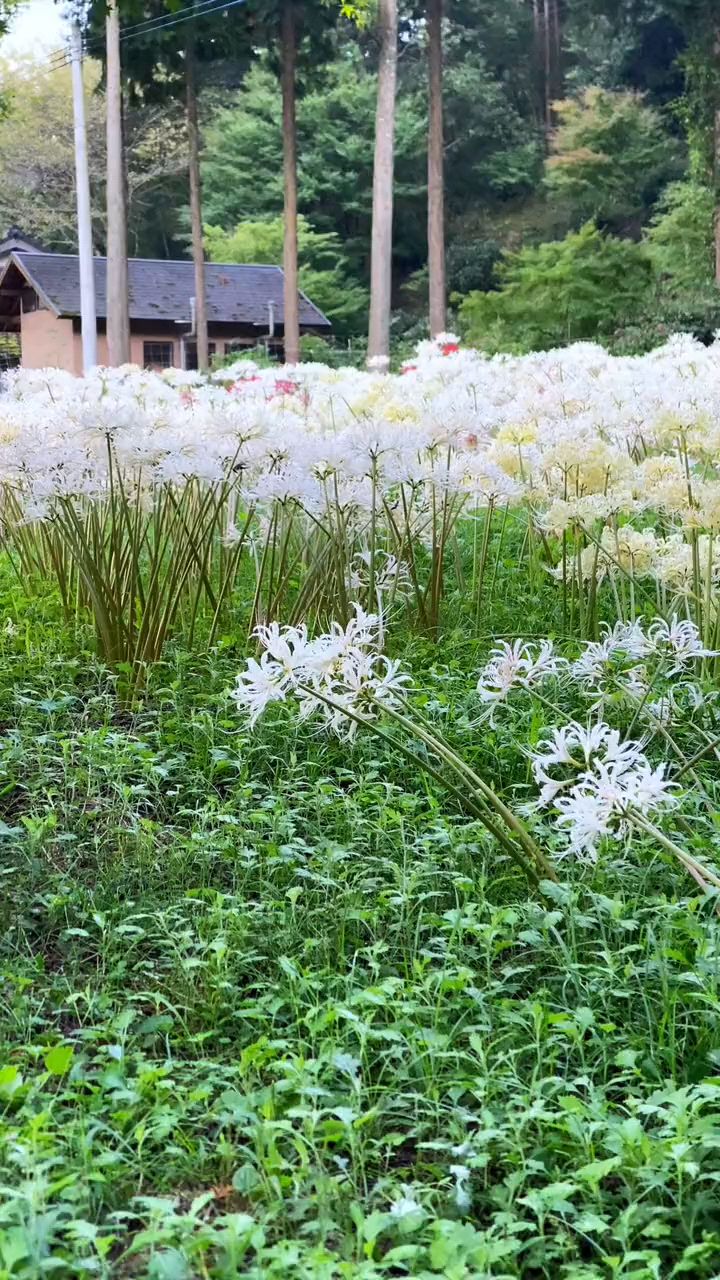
x=256, y=988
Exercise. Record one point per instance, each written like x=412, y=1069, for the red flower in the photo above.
x=449, y=348
x=241, y=382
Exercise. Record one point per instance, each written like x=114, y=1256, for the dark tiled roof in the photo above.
x=15, y=241
x=162, y=290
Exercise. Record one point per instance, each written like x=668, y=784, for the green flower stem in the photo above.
x=691, y=864
x=526, y=860
x=491, y=797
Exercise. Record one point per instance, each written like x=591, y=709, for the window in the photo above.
x=191, y=353
x=9, y=351
x=158, y=355
x=240, y=346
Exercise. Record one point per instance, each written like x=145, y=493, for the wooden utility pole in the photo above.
x=436, y=179
x=291, y=316
x=88, y=320
x=118, y=322
x=383, y=173
x=196, y=223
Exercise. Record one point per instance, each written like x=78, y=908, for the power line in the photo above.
x=61, y=58
x=197, y=13
x=163, y=18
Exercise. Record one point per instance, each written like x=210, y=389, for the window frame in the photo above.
x=192, y=342
x=166, y=343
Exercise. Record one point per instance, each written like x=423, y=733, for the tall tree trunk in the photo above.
x=196, y=222
x=382, y=207
x=547, y=35
x=118, y=323
x=291, y=314
x=537, y=65
x=558, y=77
x=717, y=199
x=716, y=156
x=436, y=182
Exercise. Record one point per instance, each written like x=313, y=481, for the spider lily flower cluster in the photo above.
x=337, y=676
x=513, y=666
x=331, y=485
x=341, y=678
x=596, y=782
x=627, y=659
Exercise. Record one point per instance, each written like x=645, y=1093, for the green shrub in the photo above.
x=471, y=264
x=581, y=288
x=680, y=238
x=610, y=157
x=680, y=245
x=324, y=275
x=338, y=355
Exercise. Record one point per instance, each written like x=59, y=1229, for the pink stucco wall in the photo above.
x=136, y=348
x=47, y=341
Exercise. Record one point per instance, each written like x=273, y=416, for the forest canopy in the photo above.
x=585, y=134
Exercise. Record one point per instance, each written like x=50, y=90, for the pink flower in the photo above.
x=243, y=382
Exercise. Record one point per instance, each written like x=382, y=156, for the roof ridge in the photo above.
x=164, y=262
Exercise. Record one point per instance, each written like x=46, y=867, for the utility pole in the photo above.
x=291, y=314
x=88, y=320
x=436, y=179
x=118, y=322
x=196, y=223
x=382, y=205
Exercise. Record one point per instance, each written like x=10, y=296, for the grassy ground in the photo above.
x=270, y=1007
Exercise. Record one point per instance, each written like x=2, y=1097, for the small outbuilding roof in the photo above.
x=15, y=241
x=161, y=290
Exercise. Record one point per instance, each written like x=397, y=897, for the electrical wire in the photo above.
x=61, y=58
x=161, y=18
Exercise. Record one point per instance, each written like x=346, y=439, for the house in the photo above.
x=40, y=302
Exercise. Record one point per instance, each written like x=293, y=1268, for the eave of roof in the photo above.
x=14, y=261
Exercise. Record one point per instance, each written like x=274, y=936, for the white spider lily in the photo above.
x=260, y=684
x=516, y=665
x=335, y=675
x=680, y=640
x=406, y=1206
x=595, y=782
x=586, y=820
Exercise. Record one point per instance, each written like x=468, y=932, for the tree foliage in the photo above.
x=323, y=265
x=581, y=288
x=680, y=237
x=610, y=156
x=37, y=161
x=37, y=165
x=242, y=173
